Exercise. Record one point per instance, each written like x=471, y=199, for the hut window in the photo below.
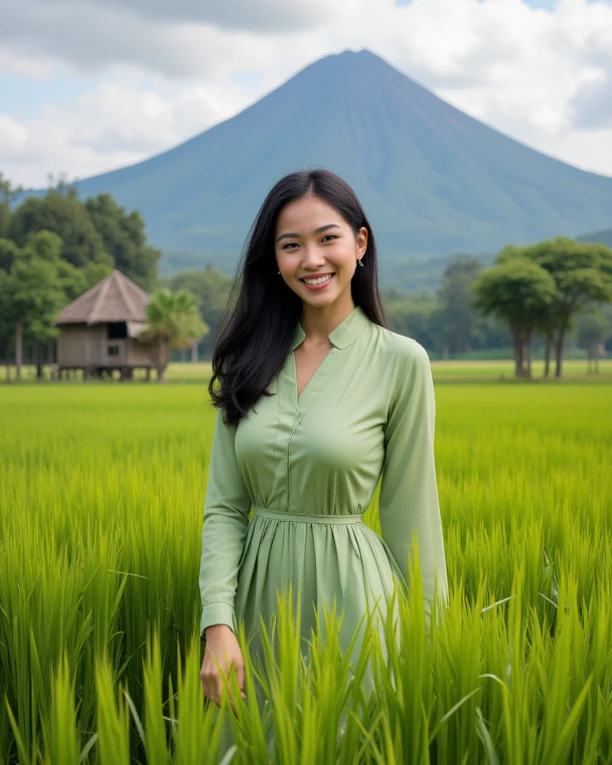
x=113, y=350
x=116, y=330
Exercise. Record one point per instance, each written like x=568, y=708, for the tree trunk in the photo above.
x=547, y=352
x=517, y=346
x=38, y=361
x=528, y=353
x=160, y=361
x=18, y=348
x=194, y=352
x=559, y=349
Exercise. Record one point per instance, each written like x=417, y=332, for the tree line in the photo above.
x=55, y=247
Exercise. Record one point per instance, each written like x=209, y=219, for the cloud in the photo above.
x=593, y=104
x=107, y=127
x=251, y=15
x=173, y=70
x=183, y=39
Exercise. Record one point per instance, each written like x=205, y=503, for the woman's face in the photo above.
x=312, y=239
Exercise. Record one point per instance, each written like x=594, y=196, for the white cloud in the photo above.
x=115, y=124
x=540, y=76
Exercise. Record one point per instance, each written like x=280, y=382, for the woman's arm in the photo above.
x=409, y=494
x=226, y=511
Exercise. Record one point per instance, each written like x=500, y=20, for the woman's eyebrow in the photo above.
x=316, y=231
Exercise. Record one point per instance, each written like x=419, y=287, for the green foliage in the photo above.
x=210, y=289
x=7, y=195
x=8, y=253
x=173, y=321
x=123, y=236
x=99, y=619
x=516, y=290
x=32, y=293
x=97, y=232
x=65, y=215
x=540, y=288
x=174, y=316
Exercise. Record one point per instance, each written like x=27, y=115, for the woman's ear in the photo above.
x=362, y=240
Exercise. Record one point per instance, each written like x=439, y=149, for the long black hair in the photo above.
x=256, y=329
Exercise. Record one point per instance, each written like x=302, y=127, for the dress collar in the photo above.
x=344, y=334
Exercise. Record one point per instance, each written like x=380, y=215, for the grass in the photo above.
x=101, y=492
x=443, y=371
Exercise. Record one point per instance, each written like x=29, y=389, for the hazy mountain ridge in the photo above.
x=601, y=237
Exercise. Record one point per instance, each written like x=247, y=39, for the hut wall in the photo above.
x=141, y=354
x=79, y=345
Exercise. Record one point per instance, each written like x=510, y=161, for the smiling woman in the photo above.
x=321, y=401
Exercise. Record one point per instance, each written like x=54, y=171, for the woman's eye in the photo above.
x=290, y=244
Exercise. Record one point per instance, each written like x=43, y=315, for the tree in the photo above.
x=123, y=236
x=61, y=212
x=210, y=288
x=455, y=318
x=7, y=194
x=8, y=253
x=518, y=291
x=173, y=321
x=591, y=331
x=411, y=316
x=32, y=294
x=582, y=273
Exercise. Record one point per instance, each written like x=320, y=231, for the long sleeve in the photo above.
x=226, y=510
x=409, y=494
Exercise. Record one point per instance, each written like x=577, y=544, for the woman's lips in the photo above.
x=320, y=286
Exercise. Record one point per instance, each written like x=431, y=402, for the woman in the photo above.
x=319, y=399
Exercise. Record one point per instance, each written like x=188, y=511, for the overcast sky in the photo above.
x=91, y=85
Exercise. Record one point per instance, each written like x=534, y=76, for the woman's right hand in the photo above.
x=222, y=644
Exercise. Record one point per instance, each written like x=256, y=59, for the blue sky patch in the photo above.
x=22, y=97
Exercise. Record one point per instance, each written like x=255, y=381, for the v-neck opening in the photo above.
x=299, y=398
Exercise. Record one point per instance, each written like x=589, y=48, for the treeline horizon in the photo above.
x=461, y=318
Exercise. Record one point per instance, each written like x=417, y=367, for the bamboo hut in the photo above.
x=99, y=332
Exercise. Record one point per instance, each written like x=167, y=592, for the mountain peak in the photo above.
x=432, y=179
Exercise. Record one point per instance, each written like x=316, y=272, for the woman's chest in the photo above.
x=332, y=413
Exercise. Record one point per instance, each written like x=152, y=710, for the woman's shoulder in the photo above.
x=400, y=348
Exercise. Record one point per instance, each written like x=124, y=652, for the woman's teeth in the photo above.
x=318, y=281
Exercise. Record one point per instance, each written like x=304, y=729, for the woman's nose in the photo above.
x=312, y=256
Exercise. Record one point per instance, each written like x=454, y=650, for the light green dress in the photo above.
x=308, y=468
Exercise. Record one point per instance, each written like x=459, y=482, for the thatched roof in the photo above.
x=115, y=298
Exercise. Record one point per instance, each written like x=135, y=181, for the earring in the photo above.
x=359, y=263
x=278, y=272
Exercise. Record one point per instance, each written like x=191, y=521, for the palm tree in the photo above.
x=173, y=321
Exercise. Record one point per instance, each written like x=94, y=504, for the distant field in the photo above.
x=443, y=371
x=101, y=496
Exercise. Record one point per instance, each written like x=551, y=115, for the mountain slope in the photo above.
x=601, y=237
x=432, y=180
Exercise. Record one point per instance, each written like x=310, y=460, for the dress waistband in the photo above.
x=278, y=515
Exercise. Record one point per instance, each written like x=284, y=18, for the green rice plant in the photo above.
x=101, y=491
x=113, y=716
x=62, y=742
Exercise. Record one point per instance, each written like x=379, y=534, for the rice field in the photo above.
x=443, y=371
x=101, y=494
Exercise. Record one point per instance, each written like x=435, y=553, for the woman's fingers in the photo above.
x=240, y=678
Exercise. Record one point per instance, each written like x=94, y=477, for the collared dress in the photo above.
x=288, y=486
